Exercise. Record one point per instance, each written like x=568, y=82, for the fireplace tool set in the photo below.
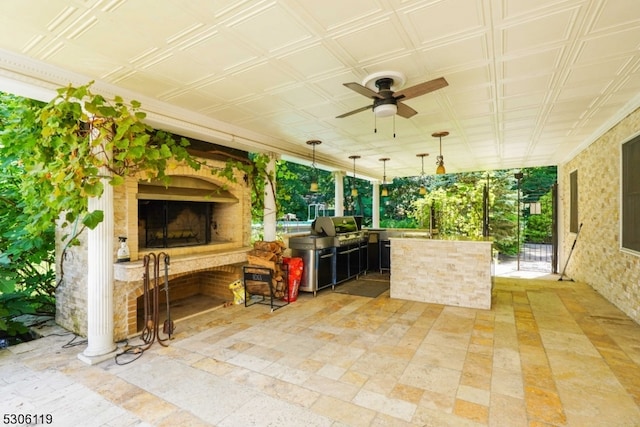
x=151, y=298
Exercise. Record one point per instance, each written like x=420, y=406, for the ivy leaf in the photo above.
x=116, y=180
x=7, y=285
x=93, y=219
x=136, y=152
x=79, y=92
x=93, y=189
x=165, y=151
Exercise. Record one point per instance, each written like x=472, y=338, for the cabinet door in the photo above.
x=373, y=256
x=364, y=258
x=354, y=260
x=326, y=258
x=342, y=264
x=385, y=255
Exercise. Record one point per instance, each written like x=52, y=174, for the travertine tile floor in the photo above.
x=549, y=353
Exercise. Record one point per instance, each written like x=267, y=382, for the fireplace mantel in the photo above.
x=133, y=271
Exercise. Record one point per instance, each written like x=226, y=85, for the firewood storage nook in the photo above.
x=266, y=279
x=201, y=220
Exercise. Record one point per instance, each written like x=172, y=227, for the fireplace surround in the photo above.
x=217, y=245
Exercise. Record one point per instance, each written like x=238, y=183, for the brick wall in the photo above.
x=597, y=258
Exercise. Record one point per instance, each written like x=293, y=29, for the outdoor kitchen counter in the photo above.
x=455, y=272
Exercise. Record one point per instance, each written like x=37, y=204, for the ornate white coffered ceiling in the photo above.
x=530, y=82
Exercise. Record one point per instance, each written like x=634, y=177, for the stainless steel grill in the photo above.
x=311, y=243
x=323, y=252
x=344, y=230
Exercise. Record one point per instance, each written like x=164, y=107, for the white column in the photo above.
x=338, y=178
x=375, y=205
x=270, y=211
x=100, y=282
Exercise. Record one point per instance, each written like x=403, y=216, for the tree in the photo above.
x=27, y=279
x=457, y=202
x=538, y=229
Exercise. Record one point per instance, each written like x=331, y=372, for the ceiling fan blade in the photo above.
x=363, y=90
x=421, y=89
x=368, y=107
x=405, y=111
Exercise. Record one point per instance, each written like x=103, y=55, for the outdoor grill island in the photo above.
x=334, y=252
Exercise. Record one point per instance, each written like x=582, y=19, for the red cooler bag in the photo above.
x=295, y=276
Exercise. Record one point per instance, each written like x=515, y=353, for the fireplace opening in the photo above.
x=188, y=212
x=170, y=224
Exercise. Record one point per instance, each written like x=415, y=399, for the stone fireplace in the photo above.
x=203, y=223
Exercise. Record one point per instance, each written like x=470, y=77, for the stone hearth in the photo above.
x=229, y=243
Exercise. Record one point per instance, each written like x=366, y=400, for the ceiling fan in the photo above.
x=387, y=102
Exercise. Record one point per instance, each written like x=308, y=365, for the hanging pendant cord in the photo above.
x=394, y=125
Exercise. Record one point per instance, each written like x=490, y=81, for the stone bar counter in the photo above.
x=456, y=272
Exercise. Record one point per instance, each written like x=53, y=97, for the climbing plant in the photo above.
x=81, y=141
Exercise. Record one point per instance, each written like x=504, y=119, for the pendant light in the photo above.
x=354, y=190
x=423, y=189
x=440, y=160
x=384, y=192
x=314, y=179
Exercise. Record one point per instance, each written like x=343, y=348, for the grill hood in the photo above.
x=334, y=226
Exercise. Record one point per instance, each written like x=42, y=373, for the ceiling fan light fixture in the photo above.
x=384, y=89
x=385, y=110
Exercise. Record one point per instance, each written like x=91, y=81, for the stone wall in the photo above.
x=597, y=258
x=450, y=272
x=71, y=301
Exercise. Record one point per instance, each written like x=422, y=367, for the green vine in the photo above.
x=86, y=140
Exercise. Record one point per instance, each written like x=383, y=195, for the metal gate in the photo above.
x=541, y=254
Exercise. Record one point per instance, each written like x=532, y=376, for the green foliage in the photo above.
x=398, y=223
x=54, y=157
x=503, y=212
x=79, y=141
x=457, y=206
x=85, y=141
x=457, y=201
x=27, y=280
x=538, y=228
x=293, y=195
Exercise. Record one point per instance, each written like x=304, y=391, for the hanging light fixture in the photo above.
x=440, y=160
x=423, y=189
x=384, y=192
x=354, y=190
x=314, y=180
